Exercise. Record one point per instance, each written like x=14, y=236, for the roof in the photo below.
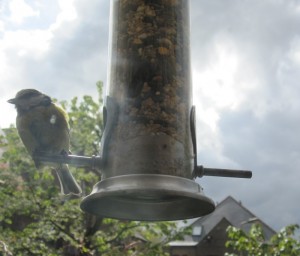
x=230, y=210
x=236, y=214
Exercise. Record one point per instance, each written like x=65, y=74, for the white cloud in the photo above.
x=2, y=27
x=23, y=42
x=294, y=53
x=20, y=10
x=214, y=86
x=67, y=13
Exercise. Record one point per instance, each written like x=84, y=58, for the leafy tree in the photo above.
x=255, y=244
x=36, y=220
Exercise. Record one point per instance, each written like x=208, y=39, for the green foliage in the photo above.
x=254, y=243
x=36, y=220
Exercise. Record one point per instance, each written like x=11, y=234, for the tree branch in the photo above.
x=50, y=220
x=63, y=231
x=5, y=248
x=121, y=232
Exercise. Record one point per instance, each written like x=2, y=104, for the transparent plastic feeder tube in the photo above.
x=150, y=86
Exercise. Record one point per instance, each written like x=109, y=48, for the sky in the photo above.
x=245, y=57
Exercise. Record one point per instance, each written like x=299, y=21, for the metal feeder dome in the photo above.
x=148, y=197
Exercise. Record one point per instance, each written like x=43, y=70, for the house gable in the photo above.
x=236, y=214
x=209, y=232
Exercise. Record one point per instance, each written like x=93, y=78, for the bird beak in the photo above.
x=12, y=101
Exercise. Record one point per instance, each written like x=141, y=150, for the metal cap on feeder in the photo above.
x=148, y=161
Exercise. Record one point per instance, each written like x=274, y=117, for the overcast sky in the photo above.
x=246, y=74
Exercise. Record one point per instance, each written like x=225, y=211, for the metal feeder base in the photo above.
x=147, y=197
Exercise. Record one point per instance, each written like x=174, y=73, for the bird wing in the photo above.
x=28, y=138
x=50, y=129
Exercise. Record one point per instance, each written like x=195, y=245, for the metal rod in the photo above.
x=227, y=173
x=95, y=162
x=203, y=171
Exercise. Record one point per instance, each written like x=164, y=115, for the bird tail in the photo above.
x=68, y=184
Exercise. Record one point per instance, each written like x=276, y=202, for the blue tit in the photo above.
x=43, y=127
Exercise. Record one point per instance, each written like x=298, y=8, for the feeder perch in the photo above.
x=148, y=158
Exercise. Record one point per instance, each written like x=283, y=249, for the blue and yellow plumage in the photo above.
x=43, y=127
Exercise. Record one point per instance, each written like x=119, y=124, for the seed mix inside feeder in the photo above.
x=150, y=86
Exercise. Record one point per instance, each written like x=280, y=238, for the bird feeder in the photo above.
x=149, y=147
x=148, y=158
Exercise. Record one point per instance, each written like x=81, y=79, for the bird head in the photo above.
x=29, y=98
